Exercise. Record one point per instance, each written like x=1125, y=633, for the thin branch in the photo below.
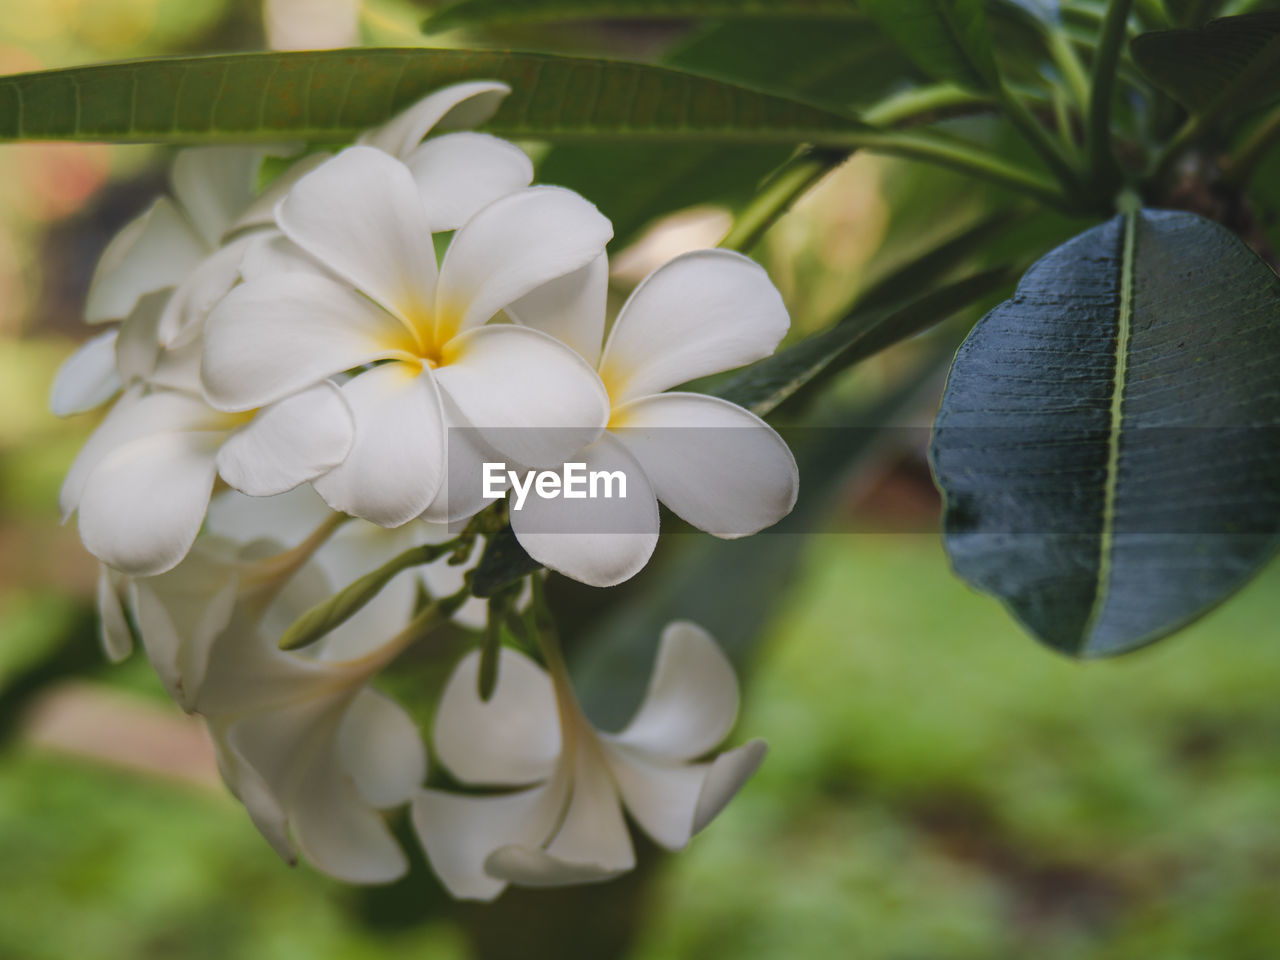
x=1097, y=130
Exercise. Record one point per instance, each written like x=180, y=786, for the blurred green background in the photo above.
x=938, y=786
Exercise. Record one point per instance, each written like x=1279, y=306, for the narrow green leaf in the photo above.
x=947, y=39
x=470, y=13
x=332, y=95
x=764, y=386
x=1226, y=66
x=1107, y=442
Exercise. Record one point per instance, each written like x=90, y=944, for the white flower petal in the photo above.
x=692, y=699
x=277, y=335
x=530, y=867
x=286, y=519
x=289, y=442
x=593, y=832
x=728, y=773
x=699, y=314
x=86, y=379
x=455, y=107
x=511, y=247
x=185, y=312
x=251, y=789
x=134, y=415
x=528, y=395
x=338, y=833
x=461, y=173
x=361, y=216
x=214, y=185
x=396, y=463
x=461, y=494
x=459, y=831
x=144, y=503
x=117, y=638
x=513, y=739
x=598, y=541
x=138, y=345
x=714, y=464
x=380, y=748
x=661, y=797
x=570, y=308
x=157, y=250
x=270, y=252
x=261, y=211
x=182, y=612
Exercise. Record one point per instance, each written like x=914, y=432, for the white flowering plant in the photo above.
x=365, y=394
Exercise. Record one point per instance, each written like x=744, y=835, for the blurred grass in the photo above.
x=938, y=787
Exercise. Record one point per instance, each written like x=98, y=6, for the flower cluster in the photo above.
x=307, y=382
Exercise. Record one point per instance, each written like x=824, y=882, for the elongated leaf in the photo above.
x=764, y=386
x=333, y=95
x=491, y=12
x=1226, y=66
x=947, y=39
x=829, y=62
x=1107, y=443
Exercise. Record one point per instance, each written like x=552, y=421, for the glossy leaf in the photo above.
x=1226, y=66
x=332, y=95
x=1107, y=442
x=470, y=13
x=948, y=39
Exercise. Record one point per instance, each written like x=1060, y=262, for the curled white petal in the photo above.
x=455, y=107
x=512, y=739
x=702, y=313
x=289, y=442
x=396, y=463
x=511, y=247
x=361, y=216
x=87, y=379
x=570, y=308
x=714, y=464
x=459, y=174
x=728, y=773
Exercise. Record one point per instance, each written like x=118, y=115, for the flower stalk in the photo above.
x=346, y=603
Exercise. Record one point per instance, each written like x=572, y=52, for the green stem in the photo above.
x=346, y=603
x=1064, y=55
x=1050, y=150
x=1097, y=129
x=784, y=189
x=957, y=155
x=1260, y=140
x=924, y=103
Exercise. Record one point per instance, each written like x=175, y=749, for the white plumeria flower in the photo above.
x=380, y=297
x=302, y=740
x=568, y=826
x=181, y=244
x=714, y=464
x=142, y=482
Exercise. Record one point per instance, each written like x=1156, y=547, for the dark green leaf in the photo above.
x=502, y=564
x=491, y=12
x=947, y=39
x=1226, y=66
x=1107, y=443
x=762, y=387
x=335, y=94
